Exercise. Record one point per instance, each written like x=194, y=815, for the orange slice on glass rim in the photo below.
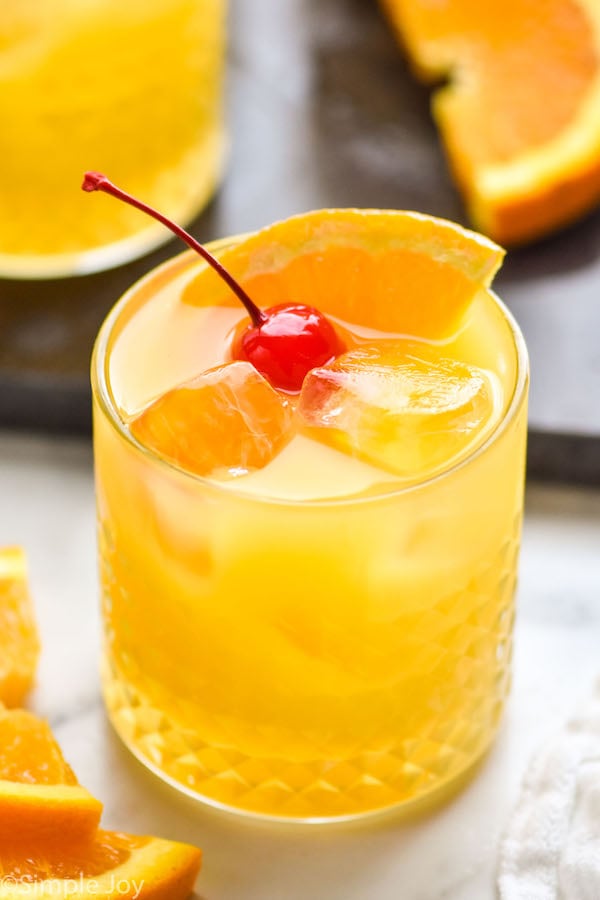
x=40, y=799
x=520, y=116
x=19, y=642
x=396, y=271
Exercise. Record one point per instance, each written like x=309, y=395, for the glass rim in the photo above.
x=102, y=392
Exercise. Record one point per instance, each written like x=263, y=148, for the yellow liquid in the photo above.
x=129, y=88
x=310, y=641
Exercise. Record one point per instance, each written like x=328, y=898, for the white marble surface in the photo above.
x=47, y=505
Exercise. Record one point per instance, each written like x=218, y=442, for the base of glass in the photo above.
x=185, y=765
x=425, y=804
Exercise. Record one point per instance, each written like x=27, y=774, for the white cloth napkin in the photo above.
x=551, y=850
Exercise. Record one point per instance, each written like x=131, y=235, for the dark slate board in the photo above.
x=323, y=112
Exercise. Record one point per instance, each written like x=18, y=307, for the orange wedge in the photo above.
x=49, y=842
x=113, y=867
x=520, y=116
x=40, y=799
x=396, y=271
x=19, y=643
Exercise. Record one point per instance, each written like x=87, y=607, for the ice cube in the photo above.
x=226, y=422
x=399, y=405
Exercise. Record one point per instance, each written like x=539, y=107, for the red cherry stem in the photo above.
x=95, y=181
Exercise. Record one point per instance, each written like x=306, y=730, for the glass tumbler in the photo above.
x=306, y=660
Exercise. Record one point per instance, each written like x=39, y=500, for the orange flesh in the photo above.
x=19, y=643
x=419, y=283
x=519, y=116
x=203, y=426
x=507, y=60
x=28, y=752
x=338, y=282
x=41, y=802
x=108, y=851
x=49, y=841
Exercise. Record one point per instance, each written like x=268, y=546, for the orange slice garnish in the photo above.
x=397, y=271
x=19, y=642
x=40, y=799
x=520, y=116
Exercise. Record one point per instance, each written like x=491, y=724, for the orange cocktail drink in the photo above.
x=308, y=597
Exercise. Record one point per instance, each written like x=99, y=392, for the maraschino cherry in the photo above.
x=283, y=342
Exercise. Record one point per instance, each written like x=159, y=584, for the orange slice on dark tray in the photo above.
x=520, y=114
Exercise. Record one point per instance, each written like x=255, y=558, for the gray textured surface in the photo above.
x=324, y=113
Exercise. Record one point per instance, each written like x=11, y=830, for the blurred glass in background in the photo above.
x=129, y=87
